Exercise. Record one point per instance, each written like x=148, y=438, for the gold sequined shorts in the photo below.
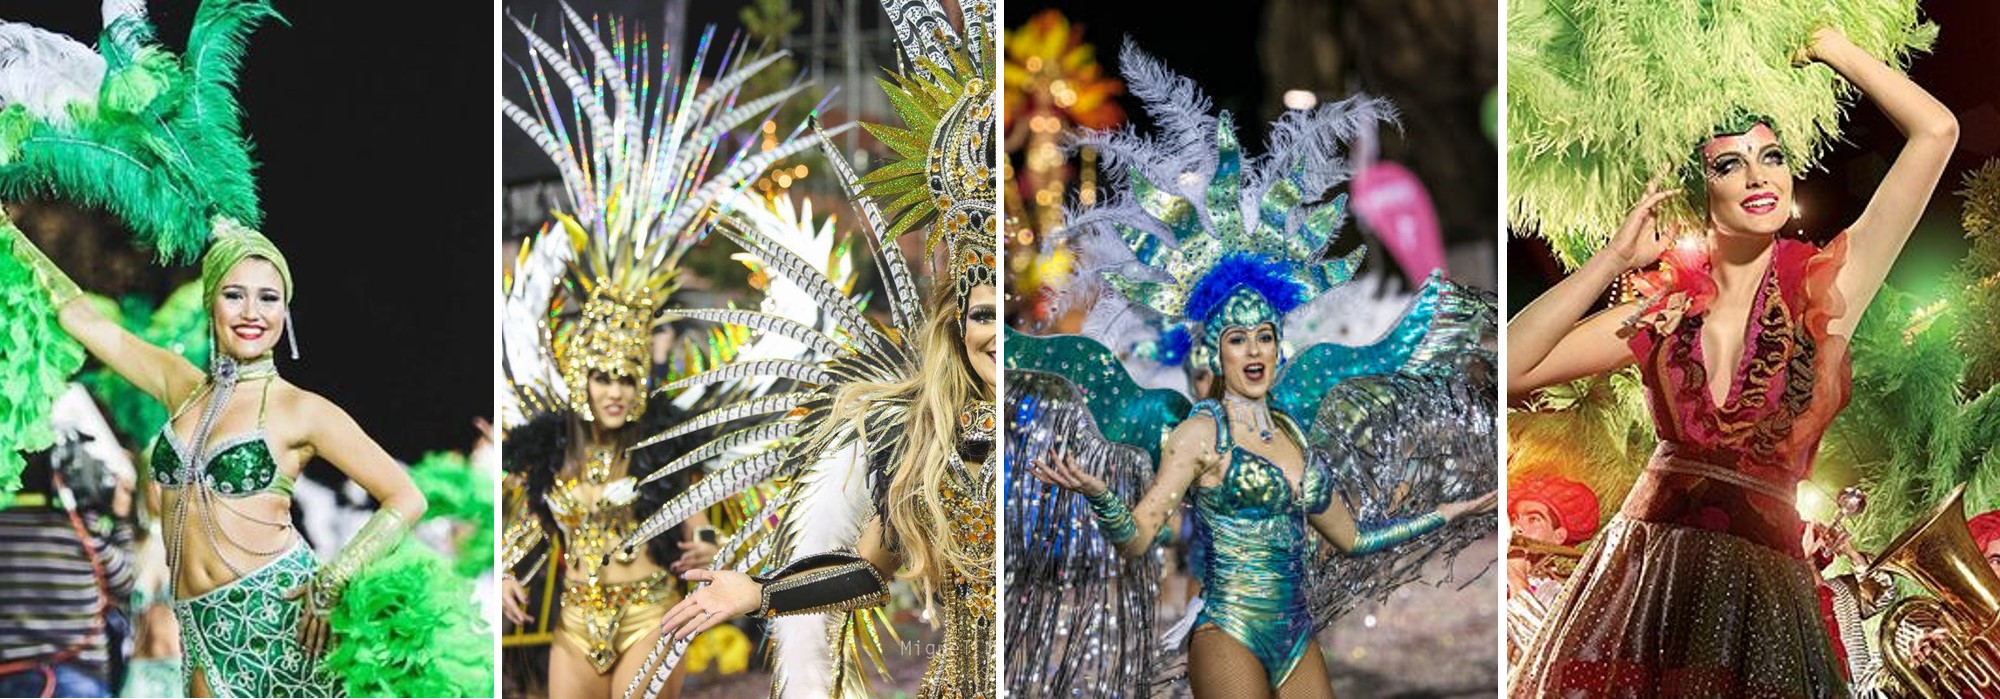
x=606, y=620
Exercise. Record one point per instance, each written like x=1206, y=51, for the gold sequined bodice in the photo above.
x=963, y=667
x=593, y=524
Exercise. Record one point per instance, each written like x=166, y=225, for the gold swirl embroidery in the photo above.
x=1769, y=350
x=1744, y=421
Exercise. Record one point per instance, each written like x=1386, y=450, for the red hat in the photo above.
x=1985, y=528
x=1574, y=504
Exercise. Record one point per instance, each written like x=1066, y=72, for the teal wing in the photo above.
x=1124, y=412
x=1319, y=368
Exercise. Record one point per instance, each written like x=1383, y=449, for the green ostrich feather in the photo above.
x=1595, y=431
x=1602, y=96
x=1978, y=275
x=1903, y=431
x=405, y=627
x=1980, y=425
x=36, y=361
x=162, y=148
x=457, y=492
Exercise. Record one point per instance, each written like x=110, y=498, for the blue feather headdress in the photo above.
x=1221, y=240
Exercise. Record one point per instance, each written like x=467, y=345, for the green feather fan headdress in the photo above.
x=941, y=175
x=154, y=138
x=1602, y=96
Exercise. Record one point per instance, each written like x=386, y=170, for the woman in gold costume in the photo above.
x=642, y=185
x=885, y=447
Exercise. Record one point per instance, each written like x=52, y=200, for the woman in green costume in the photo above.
x=251, y=598
x=155, y=138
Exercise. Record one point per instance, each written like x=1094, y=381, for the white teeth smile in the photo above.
x=1761, y=203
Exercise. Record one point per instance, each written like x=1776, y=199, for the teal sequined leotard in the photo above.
x=1260, y=547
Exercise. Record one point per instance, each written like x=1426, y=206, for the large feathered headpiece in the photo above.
x=647, y=174
x=1603, y=96
x=155, y=139
x=942, y=175
x=1223, y=240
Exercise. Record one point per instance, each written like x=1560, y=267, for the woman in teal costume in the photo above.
x=251, y=598
x=1224, y=284
x=1256, y=491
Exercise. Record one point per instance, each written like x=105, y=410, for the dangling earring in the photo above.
x=291, y=334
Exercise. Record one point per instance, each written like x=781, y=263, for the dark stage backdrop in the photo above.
x=1434, y=59
x=374, y=125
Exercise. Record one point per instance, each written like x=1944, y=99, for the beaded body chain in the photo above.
x=197, y=494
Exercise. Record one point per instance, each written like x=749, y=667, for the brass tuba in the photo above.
x=1940, y=556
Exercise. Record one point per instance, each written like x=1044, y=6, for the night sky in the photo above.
x=375, y=130
x=1216, y=51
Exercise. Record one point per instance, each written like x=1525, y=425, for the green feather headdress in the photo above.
x=153, y=138
x=1602, y=96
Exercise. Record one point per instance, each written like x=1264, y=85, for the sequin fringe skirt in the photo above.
x=1662, y=610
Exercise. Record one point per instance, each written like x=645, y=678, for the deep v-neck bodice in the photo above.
x=1789, y=381
x=1747, y=336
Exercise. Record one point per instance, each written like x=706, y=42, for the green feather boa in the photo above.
x=1602, y=96
x=457, y=492
x=406, y=627
x=36, y=361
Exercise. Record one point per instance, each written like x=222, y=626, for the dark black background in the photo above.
x=1212, y=44
x=374, y=123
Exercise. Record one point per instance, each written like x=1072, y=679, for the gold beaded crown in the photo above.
x=613, y=337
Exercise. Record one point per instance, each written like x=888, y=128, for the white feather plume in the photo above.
x=527, y=361
x=46, y=72
x=832, y=503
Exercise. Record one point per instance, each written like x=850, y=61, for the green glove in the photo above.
x=61, y=289
x=376, y=539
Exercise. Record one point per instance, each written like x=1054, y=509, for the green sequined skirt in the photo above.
x=243, y=636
